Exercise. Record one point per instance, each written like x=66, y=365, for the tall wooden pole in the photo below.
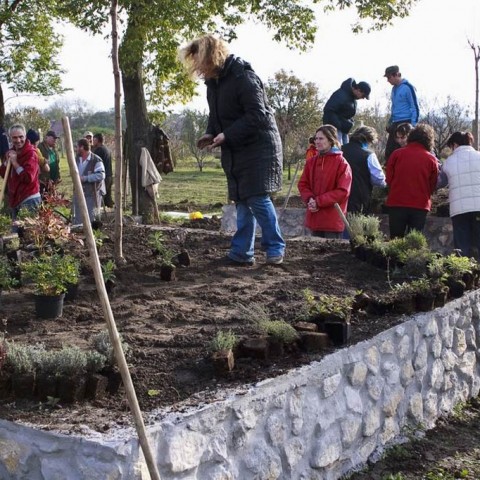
x=107, y=310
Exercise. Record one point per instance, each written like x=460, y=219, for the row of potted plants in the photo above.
x=68, y=375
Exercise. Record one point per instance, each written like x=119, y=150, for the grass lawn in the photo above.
x=186, y=184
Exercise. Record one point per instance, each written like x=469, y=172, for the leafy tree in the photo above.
x=446, y=117
x=154, y=30
x=31, y=117
x=29, y=47
x=194, y=126
x=298, y=111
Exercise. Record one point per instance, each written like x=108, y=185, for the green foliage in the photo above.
x=95, y=361
x=415, y=240
x=6, y=279
x=31, y=117
x=328, y=305
x=280, y=330
x=108, y=270
x=297, y=108
x=70, y=361
x=5, y=225
x=364, y=228
x=51, y=274
x=156, y=241
x=22, y=358
x=223, y=341
x=457, y=266
x=99, y=237
x=101, y=343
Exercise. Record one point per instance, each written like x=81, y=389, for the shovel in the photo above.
x=287, y=198
x=344, y=219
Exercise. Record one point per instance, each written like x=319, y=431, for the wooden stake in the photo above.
x=5, y=181
x=107, y=310
x=342, y=216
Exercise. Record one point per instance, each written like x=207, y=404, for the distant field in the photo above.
x=185, y=185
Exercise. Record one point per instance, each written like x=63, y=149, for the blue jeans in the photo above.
x=259, y=208
x=466, y=233
x=342, y=137
x=31, y=205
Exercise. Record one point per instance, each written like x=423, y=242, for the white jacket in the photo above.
x=462, y=169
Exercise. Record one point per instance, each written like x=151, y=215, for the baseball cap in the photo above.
x=88, y=134
x=365, y=88
x=393, y=70
x=51, y=133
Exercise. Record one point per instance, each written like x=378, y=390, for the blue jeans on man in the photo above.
x=250, y=211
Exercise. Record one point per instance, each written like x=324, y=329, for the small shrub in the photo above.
x=6, y=279
x=255, y=312
x=280, y=330
x=416, y=240
x=99, y=237
x=223, y=341
x=23, y=358
x=50, y=274
x=108, y=270
x=101, y=343
x=156, y=242
x=95, y=361
x=71, y=361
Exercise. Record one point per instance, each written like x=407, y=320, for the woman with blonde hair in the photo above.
x=243, y=125
x=325, y=181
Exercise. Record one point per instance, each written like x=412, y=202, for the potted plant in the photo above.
x=50, y=275
x=424, y=294
x=21, y=361
x=96, y=384
x=280, y=334
x=167, y=268
x=108, y=272
x=70, y=371
x=222, y=351
x=6, y=276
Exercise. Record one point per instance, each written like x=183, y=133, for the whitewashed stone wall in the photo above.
x=316, y=422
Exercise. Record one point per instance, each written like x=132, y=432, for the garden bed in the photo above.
x=169, y=325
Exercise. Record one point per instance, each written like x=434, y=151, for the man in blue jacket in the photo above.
x=341, y=107
x=404, y=106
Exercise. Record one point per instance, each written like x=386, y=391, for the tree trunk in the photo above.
x=2, y=109
x=118, y=245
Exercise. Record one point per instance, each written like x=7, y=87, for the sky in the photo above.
x=430, y=47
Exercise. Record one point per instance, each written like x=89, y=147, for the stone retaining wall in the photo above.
x=316, y=422
x=438, y=230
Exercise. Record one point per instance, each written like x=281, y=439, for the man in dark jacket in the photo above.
x=242, y=123
x=106, y=155
x=341, y=107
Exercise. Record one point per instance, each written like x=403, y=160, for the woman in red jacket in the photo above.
x=326, y=180
x=412, y=173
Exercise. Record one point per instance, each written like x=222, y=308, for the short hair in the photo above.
x=99, y=137
x=83, y=142
x=16, y=126
x=311, y=140
x=403, y=129
x=364, y=134
x=423, y=134
x=331, y=133
x=205, y=56
x=460, y=138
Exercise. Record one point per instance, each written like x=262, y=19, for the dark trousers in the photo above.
x=391, y=143
x=402, y=220
x=466, y=233
x=107, y=199
x=331, y=235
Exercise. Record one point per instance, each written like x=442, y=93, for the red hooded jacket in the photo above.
x=327, y=178
x=25, y=184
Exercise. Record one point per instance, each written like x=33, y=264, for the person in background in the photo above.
x=326, y=180
x=106, y=155
x=243, y=124
x=89, y=136
x=34, y=138
x=49, y=152
x=23, y=185
x=311, y=150
x=461, y=172
x=412, y=173
x=366, y=169
x=341, y=107
x=401, y=133
x=404, y=106
x=92, y=175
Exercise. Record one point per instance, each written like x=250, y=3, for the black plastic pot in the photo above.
x=49, y=306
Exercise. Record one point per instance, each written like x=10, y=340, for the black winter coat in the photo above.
x=341, y=107
x=252, y=151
